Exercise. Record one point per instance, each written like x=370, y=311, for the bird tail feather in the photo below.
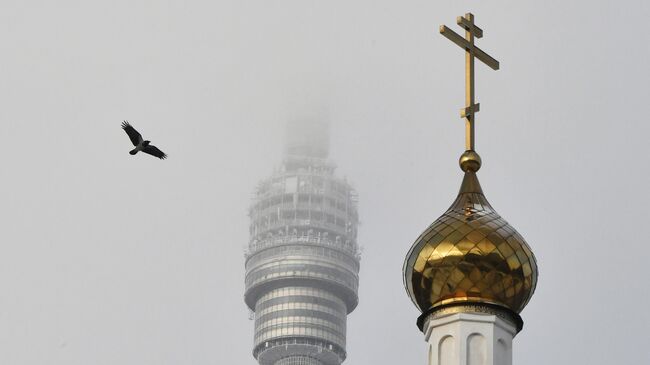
x=133, y=151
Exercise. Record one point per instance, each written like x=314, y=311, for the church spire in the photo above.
x=470, y=273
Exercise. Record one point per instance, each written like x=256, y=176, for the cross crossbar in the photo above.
x=463, y=43
x=470, y=27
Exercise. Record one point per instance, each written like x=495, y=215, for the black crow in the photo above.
x=140, y=144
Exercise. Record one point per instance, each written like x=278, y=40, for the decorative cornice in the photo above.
x=465, y=307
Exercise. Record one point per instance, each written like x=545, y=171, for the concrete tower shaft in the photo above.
x=302, y=262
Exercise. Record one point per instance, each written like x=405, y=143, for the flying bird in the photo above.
x=140, y=144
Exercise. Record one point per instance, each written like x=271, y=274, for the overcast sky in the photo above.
x=107, y=258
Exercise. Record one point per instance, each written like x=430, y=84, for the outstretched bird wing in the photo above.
x=154, y=151
x=134, y=136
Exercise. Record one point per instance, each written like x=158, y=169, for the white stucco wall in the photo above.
x=470, y=339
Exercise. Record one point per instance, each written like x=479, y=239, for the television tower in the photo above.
x=302, y=262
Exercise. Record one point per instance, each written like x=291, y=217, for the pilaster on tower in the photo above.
x=469, y=337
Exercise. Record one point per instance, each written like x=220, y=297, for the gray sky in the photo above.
x=107, y=258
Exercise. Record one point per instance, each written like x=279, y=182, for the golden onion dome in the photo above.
x=470, y=255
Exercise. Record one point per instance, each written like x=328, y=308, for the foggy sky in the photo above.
x=107, y=258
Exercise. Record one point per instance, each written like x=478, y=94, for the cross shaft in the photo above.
x=471, y=52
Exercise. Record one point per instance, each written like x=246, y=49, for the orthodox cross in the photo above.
x=471, y=52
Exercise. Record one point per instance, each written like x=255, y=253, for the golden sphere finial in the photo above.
x=470, y=161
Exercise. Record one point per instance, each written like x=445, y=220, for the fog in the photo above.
x=108, y=258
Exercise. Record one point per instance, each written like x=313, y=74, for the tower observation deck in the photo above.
x=302, y=262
